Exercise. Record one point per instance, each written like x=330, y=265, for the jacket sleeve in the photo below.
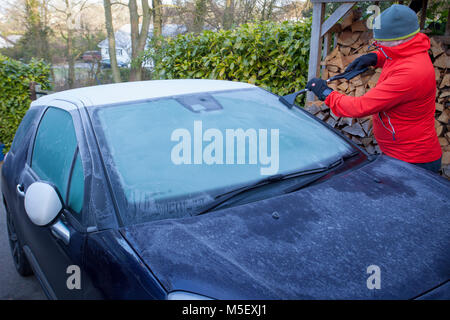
x=387, y=94
x=381, y=58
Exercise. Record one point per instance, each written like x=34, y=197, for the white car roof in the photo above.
x=138, y=90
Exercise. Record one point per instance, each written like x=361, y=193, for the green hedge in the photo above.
x=15, y=78
x=271, y=55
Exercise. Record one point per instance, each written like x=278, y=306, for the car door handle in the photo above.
x=60, y=231
x=20, y=190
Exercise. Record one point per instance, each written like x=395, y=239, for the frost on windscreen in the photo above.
x=168, y=157
x=144, y=207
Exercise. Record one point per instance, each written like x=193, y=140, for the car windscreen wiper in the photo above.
x=224, y=197
x=314, y=178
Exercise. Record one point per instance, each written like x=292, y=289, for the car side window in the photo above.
x=76, y=186
x=54, y=149
x=24, y=130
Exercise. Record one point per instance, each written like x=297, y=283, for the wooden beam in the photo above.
x=326, y=46
x=337, y=14
x=315, y=44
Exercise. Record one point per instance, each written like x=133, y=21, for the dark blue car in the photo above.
x=202, y=189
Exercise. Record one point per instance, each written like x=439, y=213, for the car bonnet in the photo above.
x=318, y=243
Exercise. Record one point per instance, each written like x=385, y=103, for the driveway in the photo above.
x=12, y=285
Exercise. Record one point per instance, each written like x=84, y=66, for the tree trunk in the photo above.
x=111, y=41
x=228, y=14
x=157, y=18
x=199, y=15
x=37, y=29
x=270, y=9
x=69, y=44
x=70, y=58
x=263, y=12
x=138, y=37
x=447, y=26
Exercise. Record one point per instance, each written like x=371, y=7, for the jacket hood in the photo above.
x=386, y=213
x=418, y=44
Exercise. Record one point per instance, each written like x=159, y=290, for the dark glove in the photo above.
x=366, y=60
x=319, y=87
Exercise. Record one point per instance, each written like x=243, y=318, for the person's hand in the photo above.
x=366, y=60
x=319, y=87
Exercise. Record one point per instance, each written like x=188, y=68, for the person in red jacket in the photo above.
x=402, y=104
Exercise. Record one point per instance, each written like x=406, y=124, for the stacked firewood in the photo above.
x=357, y=130
x=353, y=40
x=441, y=63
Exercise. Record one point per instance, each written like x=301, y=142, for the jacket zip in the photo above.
x=389, y=121
x=376, y=45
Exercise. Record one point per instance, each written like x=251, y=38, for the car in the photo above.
x=2, y=146
x=209, y=189
x=106, y=63
x=91, y=56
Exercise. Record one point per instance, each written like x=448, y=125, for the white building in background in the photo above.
x=123, y=41
x=9, y=41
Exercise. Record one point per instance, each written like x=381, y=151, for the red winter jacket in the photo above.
x=402, y=103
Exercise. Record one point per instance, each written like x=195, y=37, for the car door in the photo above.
x=55, y=251
x=17, y=156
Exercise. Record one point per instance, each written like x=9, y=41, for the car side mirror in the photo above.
x=42, y=203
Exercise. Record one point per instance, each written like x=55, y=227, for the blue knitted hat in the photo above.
x=395, y=23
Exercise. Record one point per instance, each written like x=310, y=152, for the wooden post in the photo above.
x=315, y=44
x=32, y=90
x=326, y=44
